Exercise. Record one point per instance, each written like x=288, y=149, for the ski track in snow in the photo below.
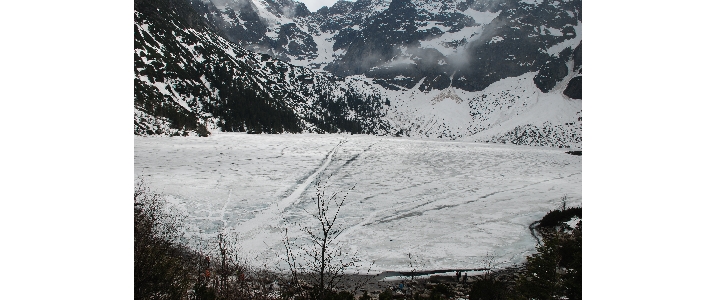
x=224, y=209
x=270, y=217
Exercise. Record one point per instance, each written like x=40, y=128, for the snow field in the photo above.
x=479, y=116
x=449, y=204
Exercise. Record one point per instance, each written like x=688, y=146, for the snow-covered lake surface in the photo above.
x=449, y=204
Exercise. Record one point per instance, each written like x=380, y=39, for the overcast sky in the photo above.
x=314, y=5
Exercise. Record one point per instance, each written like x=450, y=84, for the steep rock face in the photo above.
x=552, y=71
x=577, y=57
x=525, y=37
x=272, y=27
x=573, y=89
x=377, y=42
x=190, y=80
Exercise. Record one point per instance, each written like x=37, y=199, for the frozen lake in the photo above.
x=447, y=203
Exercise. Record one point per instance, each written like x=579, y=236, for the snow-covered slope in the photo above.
x=510, y=111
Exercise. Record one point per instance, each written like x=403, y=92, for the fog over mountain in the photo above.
x=314, y=5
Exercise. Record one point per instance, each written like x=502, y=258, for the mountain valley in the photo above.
x=502, y=71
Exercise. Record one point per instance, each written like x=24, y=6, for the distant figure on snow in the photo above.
x=458, y=276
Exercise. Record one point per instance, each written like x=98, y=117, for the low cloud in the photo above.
x=314, y=5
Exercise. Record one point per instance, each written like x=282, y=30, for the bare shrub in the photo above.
x=320, y=269
x=162, y=266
